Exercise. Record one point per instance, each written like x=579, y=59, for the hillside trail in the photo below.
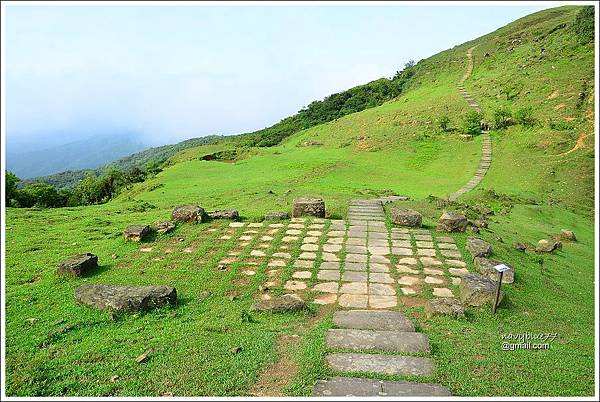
x=486, y=143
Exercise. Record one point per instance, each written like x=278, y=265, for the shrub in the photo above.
x=40, y=195
x=584, y=25
x=10, y=190
x=524, y=116
x=443, y=122
x=502, y=117
x=472, y=123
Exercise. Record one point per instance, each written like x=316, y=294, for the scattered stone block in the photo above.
x=452, y=222
x=485, y=266
x=309, y=207
x=136, y=232
x=519, y=246
x=375, y=320
x=568, y=235
x=163, y=226
x=406, y=217
x=78, y=265
x=477, y=290
x=548, y=246
x=276, y=216
x=125, y=298
x=188, y=213
x=281, y=304
x=449, y=306
x=478, y=247
x=232, y=214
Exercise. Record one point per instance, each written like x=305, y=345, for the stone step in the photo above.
x=382, y=364
x=347, y=386
x=384, y=341
x=383, y=320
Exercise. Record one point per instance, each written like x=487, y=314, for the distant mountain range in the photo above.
x=31, y=159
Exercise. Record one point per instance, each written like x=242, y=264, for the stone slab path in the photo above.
x=486, y=151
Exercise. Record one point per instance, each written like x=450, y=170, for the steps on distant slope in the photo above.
x=486, y=144
x=386, y=331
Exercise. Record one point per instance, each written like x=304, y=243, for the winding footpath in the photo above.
x=486, y=143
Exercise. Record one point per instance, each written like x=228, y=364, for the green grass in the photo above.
x=394, y=148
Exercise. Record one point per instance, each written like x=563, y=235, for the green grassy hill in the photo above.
x=541, y=180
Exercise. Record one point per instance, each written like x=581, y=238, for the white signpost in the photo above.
x=501, y=268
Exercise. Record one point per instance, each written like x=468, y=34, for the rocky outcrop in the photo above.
x=78, y=265
x=188, y=213
x=485, y=266
x=136, y=232
x=478, y=247
x=477, y=290
x=163, y=226
x=449, y=306
x=452, y=222
x=309, y=207
x=125, y=298
x=406, y=217
x=232, y=214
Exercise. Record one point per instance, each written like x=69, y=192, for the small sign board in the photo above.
x=502, y=268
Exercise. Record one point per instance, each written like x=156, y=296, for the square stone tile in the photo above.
x=356, y=249
x=293, y=232
x=409, y=280
x=310, y=239
x=277, y=263
x=266, y=238
x=246, y=238
x=296, y=226
x=420, y=237
x=353, y=300
x=442, y=292
x=355, y=288
x=330, y=265
x=408, y=291
x=286, y=256
x=378, y=235
x=407, y=269
x=316, y=226
x=255, y=225
x=302, y=275
x=379, y=267
x=458, y=271
x=427, y=252
x=303, y=264
x=276, y=225
x=434, y=280
x=294, y=285
x=407, y=261
x=432, y=271
x=447, y=246
x=335, y=240
x=379, y=259
x=455, y=263
x=400, y=236
x=353, y=241
x=354, y=276
x=257, y=253
x=356, y=258
x=380, y=277
x=336, y=233
x=355, y=266
x=330, y=257
x=379, y=250
x=376, y=301
x=315, y=233
x=309, y=247
x=424, y=244
x=445, y=239
x=451, y=253
x=381, y=289
x=401, y=243
x=430, y=262
x=332, y=248
x=399, y=231
x=289, y=239
x=379, y=243
x=307, y=255
x=237, y=224
x=326, y=287
x=328, y=275
x=402, y=251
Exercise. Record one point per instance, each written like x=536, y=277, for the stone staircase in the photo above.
x=486, y=152
x=353, y=345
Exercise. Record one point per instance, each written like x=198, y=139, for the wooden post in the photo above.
x=497, y=292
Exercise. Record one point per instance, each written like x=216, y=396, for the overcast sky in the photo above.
x=171, y=73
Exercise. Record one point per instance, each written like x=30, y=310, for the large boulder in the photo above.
x=77, y=265
x=232, y=214
x=449, y=306
x=548, y=246
x=281, y=304
x=485, y=266
x=477, y=290
x=478, y=247
x=125, y=298
x=188, y=213
x=406, y=217
x=163, y=226
x=309, y=207
x=276, y=216
x=136, y=232
x=452, y=222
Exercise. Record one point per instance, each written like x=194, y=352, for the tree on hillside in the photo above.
x=584, y=25
x=10, y=190
x=42, y=195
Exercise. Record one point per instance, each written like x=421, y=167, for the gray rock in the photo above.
x=77, y=265
x=444, y=306
x=163, y=226
x=452, y=222
x=232, y=214
x=347, y=386
x=276, y=216
x=519, y=246
x=477, y=290
x=188, y=213
x=373, y=319
x=485, y=266
x=136, y=232
x=309, y=207
x=287, y=302
x=406, y=217
x=478, y=247
x=480, y=223
x=548, y=246
x=567, y=235
x=382, y=364
x=125, y=298
x=386, y=341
